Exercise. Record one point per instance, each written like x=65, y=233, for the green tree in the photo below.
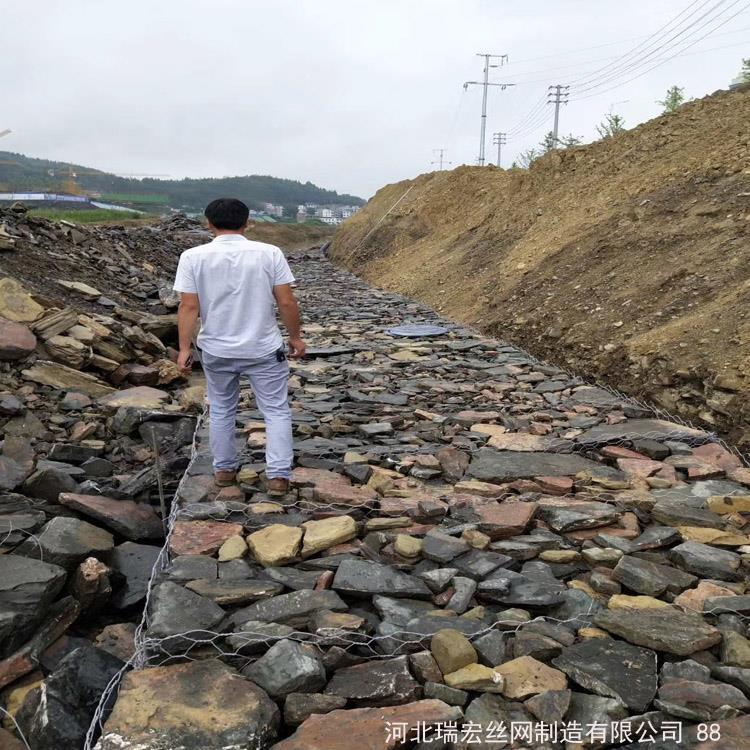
x=548, y=142
x=674, y=99
x=745, y=72
x=612, y=125
x=567, y=141
x=527, y=158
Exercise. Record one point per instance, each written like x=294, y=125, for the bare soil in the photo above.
x=627, y=260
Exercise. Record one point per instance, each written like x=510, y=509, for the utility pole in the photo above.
x=499, y=140
x=557, y=95
x=485, y=83
x=439, y=160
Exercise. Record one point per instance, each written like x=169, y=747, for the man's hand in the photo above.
x=296, y=348
x=185, y=360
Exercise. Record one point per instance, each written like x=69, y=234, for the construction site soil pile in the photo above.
x=627, y=259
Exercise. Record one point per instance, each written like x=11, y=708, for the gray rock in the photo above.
x=27, y=585
x=491, y=647
x=581, y=515
x=255, y=636
x=638, y=429
x=613, y=669
x=300, y=706
x=662, y=629
x=689, y=669
x=190, y=567
x=400, y=611
x=364, y=578
x=132, y=564
x=67, y=541
x=737, y=676
x=464, y=591
x=478, y=564
x=287, y=667
x=439, y=578
x=442, y=548
x=385, y=682
x=706, y=561
x=178, y=615
x=59, y=715
x=294, y=609
x=47, y=484
x=507, y=466
x=71, y=453
x=449, y=695
x=699, y=701
x=549, y=707
x=650, y=578
x=593, y=709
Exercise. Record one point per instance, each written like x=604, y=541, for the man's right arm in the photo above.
x=289, y=312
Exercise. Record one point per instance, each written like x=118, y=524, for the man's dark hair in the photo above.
x=227, y=213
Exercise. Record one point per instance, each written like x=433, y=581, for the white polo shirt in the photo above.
x=234, y=280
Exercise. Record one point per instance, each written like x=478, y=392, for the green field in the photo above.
x=99, y=215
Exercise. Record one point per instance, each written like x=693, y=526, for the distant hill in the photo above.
x=19, y=173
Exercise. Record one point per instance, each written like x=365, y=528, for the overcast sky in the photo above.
x=349, y=94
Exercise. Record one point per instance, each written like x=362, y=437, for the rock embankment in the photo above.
x=96, y=427
x=475, y=544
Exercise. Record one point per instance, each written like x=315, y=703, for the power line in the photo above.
x=531, y=120
x=592, y=82
x=657, y=64
x=646, y=44
x=580, y=63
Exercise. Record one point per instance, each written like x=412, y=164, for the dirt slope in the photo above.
x=627, y=259
x=290, y=236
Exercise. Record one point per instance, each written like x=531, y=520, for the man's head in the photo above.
x=226, y=215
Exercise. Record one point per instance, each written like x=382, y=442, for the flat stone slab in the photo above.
x=662, y=629
x=635, y=429
x=200, y=705
x=366, y=728
x=364, y=578
x=507, y=466
x=615, y=669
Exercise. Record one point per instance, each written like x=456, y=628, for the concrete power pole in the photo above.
x=485, y=84
x=499, y=140
x=440, y=160
x=557, y=95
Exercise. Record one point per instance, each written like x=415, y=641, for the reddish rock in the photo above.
x=713, y=453
x=617, y=451
x=331, y=487
x=638, y=467
x=118, y=640
x=502, y=520
x=626, y=528
x=453, y=462
x=16, y=340
x=555, y=485
x=132, y=520
x=201, y=537
x=368, y=728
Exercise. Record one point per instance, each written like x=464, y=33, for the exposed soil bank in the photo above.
x=627, y=259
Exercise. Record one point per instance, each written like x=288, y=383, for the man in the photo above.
x=231, y=283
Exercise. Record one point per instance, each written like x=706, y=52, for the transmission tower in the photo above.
x=485, y=83
x=439, y=159
x=557, y=95
x=499, y=140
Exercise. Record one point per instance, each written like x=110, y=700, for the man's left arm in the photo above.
x=187, y=320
